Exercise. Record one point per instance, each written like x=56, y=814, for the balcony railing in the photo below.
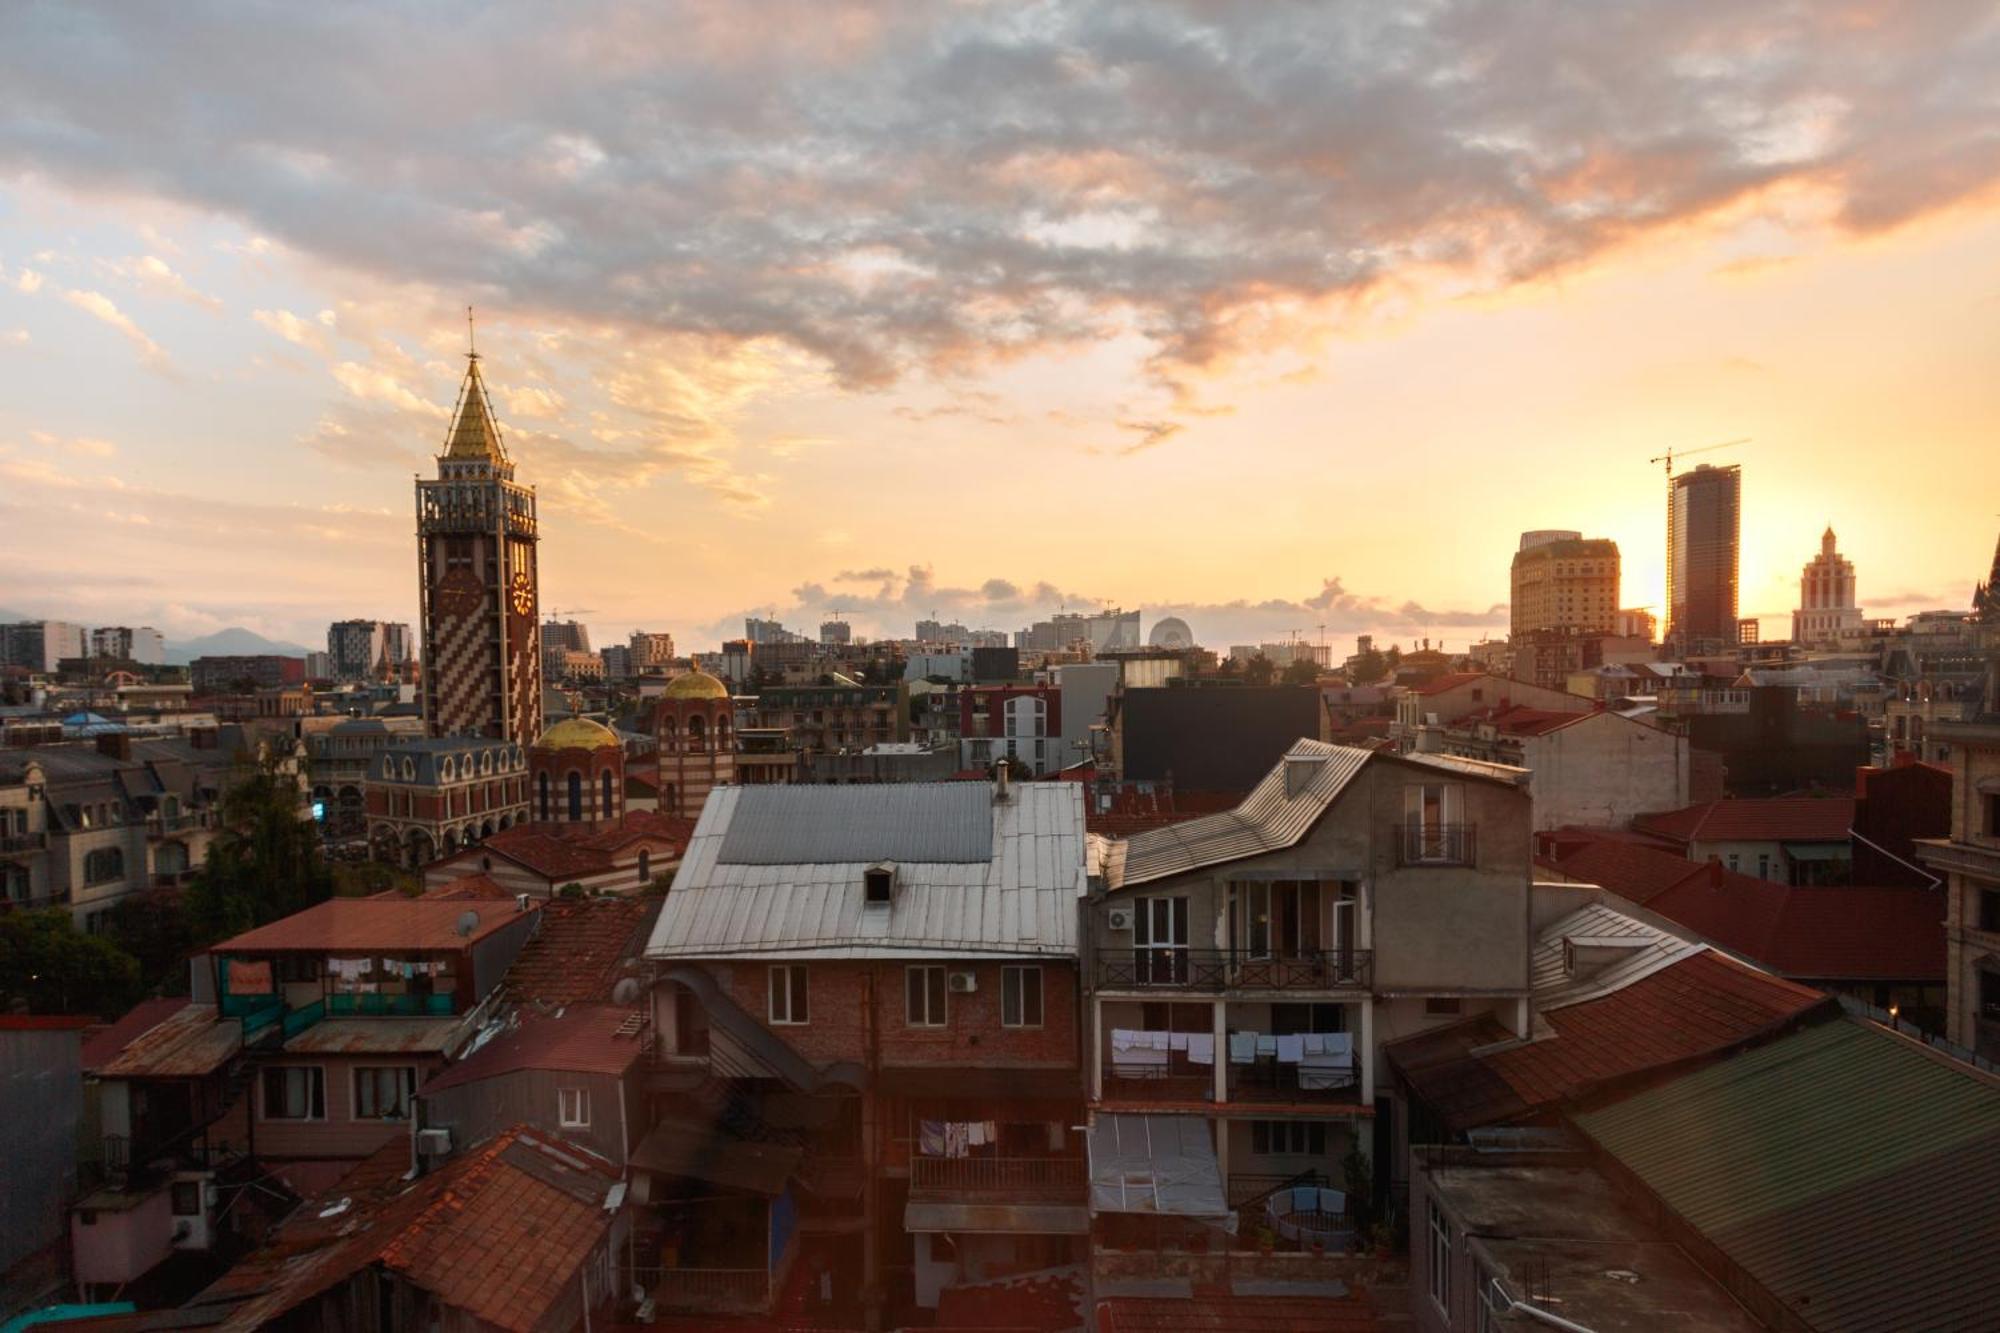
x=1221, y=969
x=23, y=842
x=1435, y=844
x=1001, y=1177
x=710, y=1290
x=1269, y=1080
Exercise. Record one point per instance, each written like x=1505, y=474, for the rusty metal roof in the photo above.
x=387, y=924
x=378, y=1036
x=188, y=1043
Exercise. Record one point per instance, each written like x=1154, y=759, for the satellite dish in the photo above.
x=468, y=922
x=626, y=992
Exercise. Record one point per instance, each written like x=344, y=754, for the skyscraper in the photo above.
x=1826, y=597
x=1704, y=510
x=476, y=540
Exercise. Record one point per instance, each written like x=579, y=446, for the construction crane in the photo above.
x=1667, y=458
x=572, y=612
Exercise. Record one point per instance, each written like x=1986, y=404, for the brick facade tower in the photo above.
x=697, y=742
x=477, y=581
x=576, y=775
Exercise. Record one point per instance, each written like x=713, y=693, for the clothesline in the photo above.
x=1310, y=1049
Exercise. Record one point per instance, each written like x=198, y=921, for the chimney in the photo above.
x=118, y=745
x=1002, y=772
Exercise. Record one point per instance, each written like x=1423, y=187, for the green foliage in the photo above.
x=1370, y=667
x=363, y=879
x=571, y=890
x=1259, y=670
x=154, y=929
x=264, y=864
x=1360, y=1180
x=1301, y=671
x=46, y=962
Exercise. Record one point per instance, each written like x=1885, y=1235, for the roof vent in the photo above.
x=878, y=883
x=1300, y=772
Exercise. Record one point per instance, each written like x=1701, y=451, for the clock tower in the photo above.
x=477, y=582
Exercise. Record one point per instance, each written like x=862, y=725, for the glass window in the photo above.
x=924, y=1004
x=1440, y=1258
x=384, y=1093
x=573, y=1107
x=788, y=993
x=295, y=1092
x=1288, y=1138
x=1021, y=997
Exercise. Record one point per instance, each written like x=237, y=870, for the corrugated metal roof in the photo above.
x=1020, y=900
x=1851, y=1172
x=944, y=822
x=378, y=1036
x=1650, y=949
x=187, y=1044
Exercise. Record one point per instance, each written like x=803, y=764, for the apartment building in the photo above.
x=1970, y=863
x=428, y=798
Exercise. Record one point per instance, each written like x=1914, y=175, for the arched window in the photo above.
x=104, y=865
x=697, y=742
x=645, y=867
x=542, y=793
x=604, y=809
x=575, y=796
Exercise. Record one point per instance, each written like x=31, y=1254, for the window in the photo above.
x=788, y=993
x=295, y=1092
x=1763, y=865
x=604, y=806
x=1989, y=909
x=1440, y=1258
x=384, y=1093
x=575, y=796
x=104, y=865
x=1288, y=1138
x=1021, y=997
x=186, y=1198
x=923, y=997
x=1730, y=860
x=1992, y=803
x=877, y=884
x=542, y=794
x=1440, y=1006
x=573, y=1108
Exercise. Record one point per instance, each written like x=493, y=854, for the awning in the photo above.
x=1159, y=1164
x=678, y=1149
x=999, y=1219
x=1818, y=851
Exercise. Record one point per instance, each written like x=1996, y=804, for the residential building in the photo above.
x=1446, y=698
x=1244, y=969
x=1098, y=630
x=1638, y=623
x=615, y=661
x=759, y=631
x=41, y=1100
x=368, y=649
x=258, y=671
x=570, y=665
x=1970, y=864
x=568, y=635
x=319, y=667
x=1086, y=689
x=1703, y=520
x=623, y=856
x=1019, y=723
x=40, y=645
x=1598, y=769
x=1565, y=584
x=340, y=756
x=1771, y=745
x=1827, y=609
x=1787, y=840
x=694, y=721
x=478, y=588
x=1894, y=807
x=652, y=652
x=145, y=645
x=1210, y=737
x=841, y=716
x=885, y=979
x=836, y=631
x=427, y=798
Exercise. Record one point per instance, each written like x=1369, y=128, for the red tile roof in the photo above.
x=1856, y=933
x=1048, y=1299
x=584, y=1039
x=1451, y=680
x=1521, y=720
x=541, y=849
x=1745, y=819
x=1209, y=1311
x=341, y=924
x=103, y=1046
x=45, y=1022
x=580, y=951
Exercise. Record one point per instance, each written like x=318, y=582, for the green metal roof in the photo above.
x=1849, y=1171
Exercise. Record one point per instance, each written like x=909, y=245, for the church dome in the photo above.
x=579, y=733
x=696, y=685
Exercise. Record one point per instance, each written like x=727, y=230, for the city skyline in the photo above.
x=767, y=430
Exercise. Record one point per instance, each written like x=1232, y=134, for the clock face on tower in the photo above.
x=459, y=593
x=522, y=594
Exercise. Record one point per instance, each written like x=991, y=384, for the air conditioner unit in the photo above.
x=433, y=1142
x=961, y=983
x=1118, y=919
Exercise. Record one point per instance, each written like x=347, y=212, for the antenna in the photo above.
x=471, y=344
x=468, y=921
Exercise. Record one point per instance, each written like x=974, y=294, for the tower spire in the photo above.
x=471, y=343
x=474, y=431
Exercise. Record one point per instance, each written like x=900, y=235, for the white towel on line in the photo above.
x=1340, y=1045
x=1266, y=1045
x=1242, y=1047
x=1200, y=1048
x=1177, y=1041
x=1315, y=1042
x=1291, y=1049
x=1121, y=1039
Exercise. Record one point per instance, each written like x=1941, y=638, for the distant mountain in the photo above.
x=232, y=642
x=11, y=617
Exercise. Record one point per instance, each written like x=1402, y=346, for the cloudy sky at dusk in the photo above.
x=1273, y=316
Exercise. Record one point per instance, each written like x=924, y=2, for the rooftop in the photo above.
x=187, y=1043
x=582, y=1039
x=581, y=950
x=1750, y=819
x=358, y=925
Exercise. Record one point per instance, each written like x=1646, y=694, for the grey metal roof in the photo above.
x=1274, y=816
x=1850, y=1171
x=1159, y=1164
x=1020, y=900
x=1647, y=949
x=919, y=821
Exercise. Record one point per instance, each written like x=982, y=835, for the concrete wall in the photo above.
x=339, y=1134
x=115, y=1247
x=41, y=1104
x=1603, y=770
x=475, y=1112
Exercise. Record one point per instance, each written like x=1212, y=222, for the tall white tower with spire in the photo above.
x=477, y=580
x=1826, y=597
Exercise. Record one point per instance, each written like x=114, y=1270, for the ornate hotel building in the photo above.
x=476, y=540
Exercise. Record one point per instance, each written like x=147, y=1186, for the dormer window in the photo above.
x=878, y=883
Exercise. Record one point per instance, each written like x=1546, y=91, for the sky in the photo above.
x=1282, y=318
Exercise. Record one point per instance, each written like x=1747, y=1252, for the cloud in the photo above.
x=82, y=445
x=1150, y=433
x=884, y=190
x=309, y=334
x=99, y=306
x=28, y=283
x=153, y=274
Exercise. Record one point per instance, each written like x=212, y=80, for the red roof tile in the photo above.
x=579, y=952
x=541, y=849
x=1449, y=681
x=1764, y=819
x=584, y=1039
x=103, y=1046
x=45, y=1022
x=340, y=924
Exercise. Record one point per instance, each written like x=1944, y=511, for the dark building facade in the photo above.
x=1704, y=509
x=1211, y=737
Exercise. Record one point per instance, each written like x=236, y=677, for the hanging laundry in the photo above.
x=1291, y=1049
x=1201, y=1048
x=1157, y=1041
x=1177, y=1041
x=1242, y=1048
x=930, y=1138
x=975, y=1134
x=1315, y=1042
x=1123, y=1039
x=1267, y=1045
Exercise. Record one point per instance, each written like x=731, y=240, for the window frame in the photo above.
x=564, y=1120
x=1016, y=975
x=1440, y=1242
x=315, y=1093
x=1296, y=1135
x=941, y=993
x=797, y=994
x=374, y=1073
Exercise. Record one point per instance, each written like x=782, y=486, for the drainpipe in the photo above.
x=1536, y=1312
x=871, y=1259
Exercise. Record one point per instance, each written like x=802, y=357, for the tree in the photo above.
x=46, y=962
x=1369, y=667
x=154, y=929
x=266, y=862
x=1301, y=671
x=1259, y=670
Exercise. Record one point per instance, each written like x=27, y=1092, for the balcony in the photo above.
x=1434, y=844
x=158, y=824
x=1012, y=1179
x=22, y=843
x=1223, y=970
x=1268, y=1080
x=707, y=1290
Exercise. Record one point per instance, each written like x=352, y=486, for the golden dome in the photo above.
x=696, y=685
x=579, y=733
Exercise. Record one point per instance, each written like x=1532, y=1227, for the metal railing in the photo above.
x=1269, y=1080
x=1180, y=1082
x=1038, y=1177
x=23, y=842
x=710, y=1290
x=1223, y=969
x=1435, y=844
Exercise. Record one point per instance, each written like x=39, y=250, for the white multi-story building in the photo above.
x=1826, y=597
